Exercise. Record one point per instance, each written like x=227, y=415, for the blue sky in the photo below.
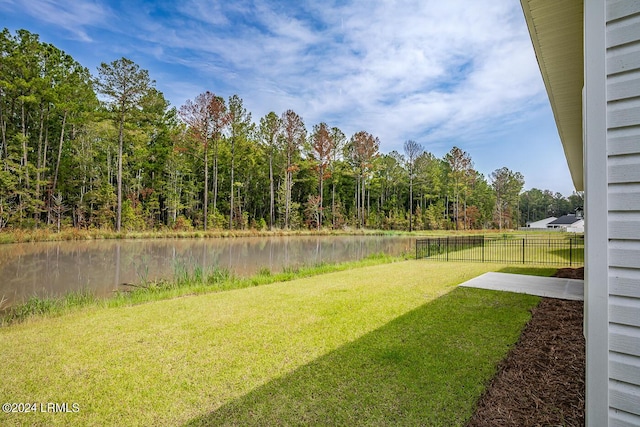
x=442, y=73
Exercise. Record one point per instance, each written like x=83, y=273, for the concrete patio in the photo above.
x=551, y=287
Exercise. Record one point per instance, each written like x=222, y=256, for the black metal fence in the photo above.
x=510, y=250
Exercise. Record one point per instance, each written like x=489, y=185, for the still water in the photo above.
x=55, y=268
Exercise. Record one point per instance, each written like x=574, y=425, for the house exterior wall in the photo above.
x=596, y=296
x=604, y=35
x=542, y=224
x=576, y=227
x=622, y=65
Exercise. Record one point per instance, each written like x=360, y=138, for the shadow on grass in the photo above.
x=427, y=367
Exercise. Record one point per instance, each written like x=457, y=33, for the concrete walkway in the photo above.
x=552, y=287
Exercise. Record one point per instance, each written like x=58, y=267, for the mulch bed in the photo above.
x=541, y=382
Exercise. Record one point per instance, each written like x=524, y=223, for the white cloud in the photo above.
x=402, y=70
x=72, y=15
x=438, y=72
x=206, y=11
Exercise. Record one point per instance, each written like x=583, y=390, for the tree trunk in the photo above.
x=239, y=199
x=464, y=213
x=410, y=200
x=55, y=174
x=271, y=207
x=357, y=200
x=39, y=159
x=120, y=145
x=320, y=200
x=5, y=149
x=206, y=185
x=362, y=194
x=25, y=159
x=215, y=176
x=333, y=203
x=456, y=211
x=287, y=196
x=232, y=178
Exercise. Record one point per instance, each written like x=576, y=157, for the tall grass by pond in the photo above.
x=70, y=234
x=187, y=280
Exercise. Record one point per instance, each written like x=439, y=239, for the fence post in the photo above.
x=571, y=252
x=523, y=250
x=447, y=248
x=482, y=248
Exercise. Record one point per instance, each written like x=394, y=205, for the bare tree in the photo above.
x=206, y=117
x=412, y=150
x=338, y=141
x=219, y=116
x=321, y=148
x=58, y=208
x=363, y=149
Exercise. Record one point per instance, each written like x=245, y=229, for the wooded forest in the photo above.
x=107, y=151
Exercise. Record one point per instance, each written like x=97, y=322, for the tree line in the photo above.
x=108, y=151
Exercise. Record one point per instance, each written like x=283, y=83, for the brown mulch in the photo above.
x=570, y=273
x=541, y=382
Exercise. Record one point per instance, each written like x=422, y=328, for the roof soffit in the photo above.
x=556, y=30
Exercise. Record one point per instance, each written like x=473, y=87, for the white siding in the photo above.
x=623, y=167
x=596, y=315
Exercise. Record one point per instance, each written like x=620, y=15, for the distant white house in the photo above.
x=542, y=224
x=571, y=223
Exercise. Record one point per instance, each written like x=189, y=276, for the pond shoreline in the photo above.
x=195, y=283
x=53, y=269
x=74, y=234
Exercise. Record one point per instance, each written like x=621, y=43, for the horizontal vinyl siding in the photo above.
x=625, y=397
x=623, y=31
x=625, y=198
x=623, y=141
x=624, y=368
x=624, y=311
x=617, y=419
x=623, y=169
x=623, y=88
x=624, y=253
x=624, y=282
x=623, y=60
x=624, y=339
x=624, y=225
x=620, y=9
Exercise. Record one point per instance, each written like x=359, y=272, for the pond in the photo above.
x=55, y=268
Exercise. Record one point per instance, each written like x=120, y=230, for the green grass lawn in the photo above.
x=390, y=344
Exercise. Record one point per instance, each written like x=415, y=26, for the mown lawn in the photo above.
x=383, y=345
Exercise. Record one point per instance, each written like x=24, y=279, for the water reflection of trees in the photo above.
x=53, y=268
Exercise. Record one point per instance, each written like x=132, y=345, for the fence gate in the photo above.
x=509, y=250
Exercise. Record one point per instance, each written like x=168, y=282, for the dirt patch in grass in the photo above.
x=541, y=382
